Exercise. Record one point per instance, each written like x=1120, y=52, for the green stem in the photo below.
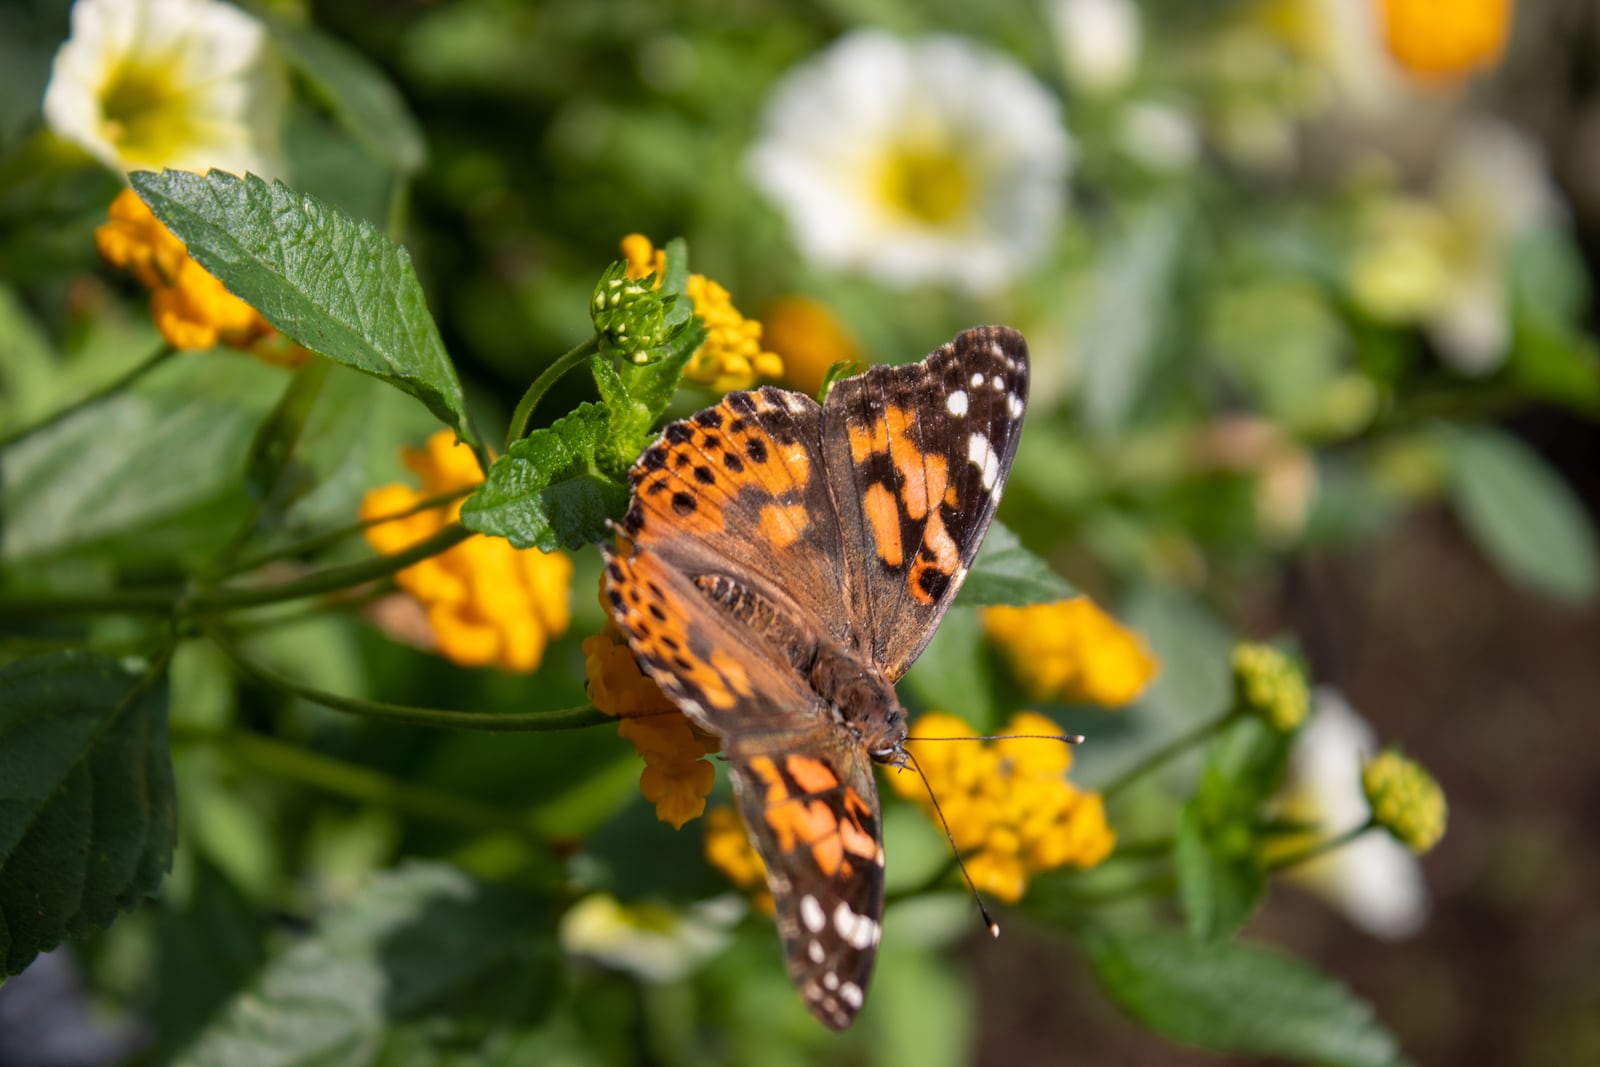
x=563, y=719
x=1177, y=746
x=1320, y=848
x=126, y=602
x=330, y=580
x=211, y=601
x=340, y=533
x=270, y=756
x=541, y=385
x=122, y=381
x=1154, y=848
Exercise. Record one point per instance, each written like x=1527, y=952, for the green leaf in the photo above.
x=151, y=473
x=1122, y=340
x=1220, y=878
x=1233, y=997
x=956, y=672
x=356, y=92
x=1007, y=573
x=424, y=956
x=87, y=820
x=332, y=283
x=548, y=491
x=209, y=942
x=1547, y=277
x=637, y=394
x=1523, y=516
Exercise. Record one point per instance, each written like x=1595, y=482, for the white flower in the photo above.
x=1374, y=880
x=1441, y=261
x=1098, y=42
x=187, y=84
x=930, y=161
x=657, y=943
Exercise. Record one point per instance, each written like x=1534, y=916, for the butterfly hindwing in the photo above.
x=812, y=808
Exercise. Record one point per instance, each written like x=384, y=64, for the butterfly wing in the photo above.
x=922, y=453
x=812, y=808
x=739, y=491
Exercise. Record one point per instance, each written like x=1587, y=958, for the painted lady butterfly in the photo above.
x=781, y=565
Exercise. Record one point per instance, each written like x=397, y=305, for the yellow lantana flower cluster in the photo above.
x=191, y=308
x=488, y=603
x=1437, y=41
x=1071, y=651
x=731, y=357
x=1009, y=805
x=729, y=850
x=1405, y=799
x=676, y=777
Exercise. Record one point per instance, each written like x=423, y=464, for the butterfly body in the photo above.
x=781, y=565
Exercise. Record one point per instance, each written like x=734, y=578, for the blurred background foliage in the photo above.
x=1314, y=347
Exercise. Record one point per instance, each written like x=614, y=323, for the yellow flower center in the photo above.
x=144, y=114
x=929, y=184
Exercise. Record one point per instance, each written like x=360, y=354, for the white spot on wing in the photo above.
x=815, y=951
x=851, y=994
x=956, y=403
x=982, y=456
x=1014, y=403
x=977, y=380
x=811, y=913
x=997, y=383
x=859, y=931
x=830, y=981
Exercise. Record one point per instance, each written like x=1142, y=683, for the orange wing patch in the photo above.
x=660, y=635
x=925, y=481
x=805, y=819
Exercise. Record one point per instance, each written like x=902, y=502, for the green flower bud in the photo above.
x=1270, y=686
x=1405, y=799
x=629, y=314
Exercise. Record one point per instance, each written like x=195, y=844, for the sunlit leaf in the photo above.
x=1007, y=573
x=549, y=491
x=334, y=284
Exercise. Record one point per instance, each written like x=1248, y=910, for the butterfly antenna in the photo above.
x=1067, y=739
x=988, y=920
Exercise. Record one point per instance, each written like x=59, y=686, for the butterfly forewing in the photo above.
x=923, y=451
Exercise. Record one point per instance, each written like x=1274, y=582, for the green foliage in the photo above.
x=1523, y=515
x=87, y=819
x=1238, y=998
x=362, y=874
x=548, y=491
x=1007, y=573
x=151, y=473
x=329, y=282
x=425, y=960
x=356, y=93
